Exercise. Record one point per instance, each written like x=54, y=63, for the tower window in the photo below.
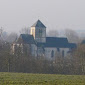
x=40, y=31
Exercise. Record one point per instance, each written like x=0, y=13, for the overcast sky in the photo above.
x=55, y=14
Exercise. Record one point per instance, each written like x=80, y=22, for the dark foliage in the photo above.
x=28, y=64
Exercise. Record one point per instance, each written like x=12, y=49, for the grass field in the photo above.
x=40, y=79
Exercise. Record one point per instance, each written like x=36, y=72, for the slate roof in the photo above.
x=27, y=39
x=50, y=42
x=56, y=39
x=38, y=24
x=57, y=42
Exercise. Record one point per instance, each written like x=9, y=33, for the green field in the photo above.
x=40, y=79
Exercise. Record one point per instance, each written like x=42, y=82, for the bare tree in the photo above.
x=72, y=36
x=1, y=31
x=79, y=56
x=1, y=38
x=53, y=33
x=25, y=30
x=12, y=37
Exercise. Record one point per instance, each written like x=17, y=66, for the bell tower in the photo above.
x=38, y=30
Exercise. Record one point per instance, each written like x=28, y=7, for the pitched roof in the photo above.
x=50, y=42
x=56, y=39
x=38, y=24
x=27, y=39
x=57, y=42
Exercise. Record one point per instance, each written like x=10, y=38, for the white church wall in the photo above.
x=65, y=51
x=48, y=52
x=57, y=52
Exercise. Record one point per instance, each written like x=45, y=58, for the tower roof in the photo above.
x=38, y=24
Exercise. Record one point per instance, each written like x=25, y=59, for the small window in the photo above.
x=63, y=53
x=58, y=49
x=52, y=54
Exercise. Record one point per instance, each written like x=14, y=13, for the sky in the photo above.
x=55, y=14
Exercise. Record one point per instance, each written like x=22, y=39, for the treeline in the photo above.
x=74, y=64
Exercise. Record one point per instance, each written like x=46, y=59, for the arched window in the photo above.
x=58, y=49
x=40, y=32
x=52, y=54
x=63, y=53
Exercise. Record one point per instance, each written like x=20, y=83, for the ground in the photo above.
x=40, y=79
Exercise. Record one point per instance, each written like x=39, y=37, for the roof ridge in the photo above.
x=38, y=23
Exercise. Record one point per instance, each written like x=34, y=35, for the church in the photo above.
x=40, y=45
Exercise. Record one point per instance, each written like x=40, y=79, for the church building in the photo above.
x=40, y=45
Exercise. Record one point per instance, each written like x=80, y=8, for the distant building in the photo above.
x=40, y=45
